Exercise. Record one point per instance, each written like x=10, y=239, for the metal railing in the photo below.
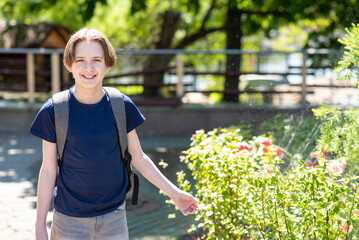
x=132, y=63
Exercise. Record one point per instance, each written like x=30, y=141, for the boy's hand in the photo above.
x=41, y=234
x=185, y=202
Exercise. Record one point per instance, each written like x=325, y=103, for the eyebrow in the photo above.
x=92, y=57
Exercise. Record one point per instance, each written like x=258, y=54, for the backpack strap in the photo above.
x=118, y=109
x=119, y=112
x=61, y=109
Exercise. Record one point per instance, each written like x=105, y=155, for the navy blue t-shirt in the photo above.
x=92, y=178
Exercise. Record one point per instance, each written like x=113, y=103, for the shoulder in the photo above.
x=43, y=124
x=47, y=110
x=127, y=100
x=130, y=106
x=48, y=106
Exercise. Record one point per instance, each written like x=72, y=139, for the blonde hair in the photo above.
x=89, y=34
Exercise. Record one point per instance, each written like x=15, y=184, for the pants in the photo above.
x=110, y=226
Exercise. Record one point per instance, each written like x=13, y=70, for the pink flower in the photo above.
x=356, y=211
x=344, y=228
x=336, y=167
x=314, y=155
x=280, y=152
x=310, y=163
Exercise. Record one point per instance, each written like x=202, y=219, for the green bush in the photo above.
x=339, y=134
x=348, y=65
x=244, y=196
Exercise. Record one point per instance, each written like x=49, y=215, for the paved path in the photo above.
x=18, y=155
x=20, y=160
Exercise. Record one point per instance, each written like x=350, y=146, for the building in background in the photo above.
x=39, y=35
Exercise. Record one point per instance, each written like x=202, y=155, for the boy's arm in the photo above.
x=46, y=184
x=184, y=201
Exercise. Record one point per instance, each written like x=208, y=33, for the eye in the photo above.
x=79, y=60
x=98, y=60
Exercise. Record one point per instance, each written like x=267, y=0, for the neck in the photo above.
x=88, y=96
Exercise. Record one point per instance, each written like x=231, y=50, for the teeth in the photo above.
x=88, y=76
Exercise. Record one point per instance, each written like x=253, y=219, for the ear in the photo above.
x=67, y=67
x=108, y=69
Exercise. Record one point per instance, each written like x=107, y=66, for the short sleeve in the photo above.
x=134, y=117
x=44, y=124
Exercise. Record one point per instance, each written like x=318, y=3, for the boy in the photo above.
x=90, y=191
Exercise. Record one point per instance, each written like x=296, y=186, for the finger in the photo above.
x=195, y=203
x=189, y=210
x=192, y=209
x=195, y=207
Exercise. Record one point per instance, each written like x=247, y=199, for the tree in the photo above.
x=29, y=11
x=178, y=24
x=246, y=18
x=171, y=22
x=241, y=18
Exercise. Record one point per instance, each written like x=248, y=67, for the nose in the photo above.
x=89, y=65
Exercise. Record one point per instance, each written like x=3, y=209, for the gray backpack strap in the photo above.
x=118, y=109
x=61, y=108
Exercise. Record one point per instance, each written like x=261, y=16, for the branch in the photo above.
x=208, y=14
x=194, y=37
x=277, y=13
x=276, y=219
x=285, y=218
x=202, y=32
x=351, y=210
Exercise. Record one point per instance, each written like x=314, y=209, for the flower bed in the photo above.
x=244, y=195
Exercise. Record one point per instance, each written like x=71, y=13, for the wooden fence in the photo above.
x=57, y=74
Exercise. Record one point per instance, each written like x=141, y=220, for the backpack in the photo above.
x=61, y=109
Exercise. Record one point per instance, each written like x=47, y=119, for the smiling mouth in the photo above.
x=89, y=77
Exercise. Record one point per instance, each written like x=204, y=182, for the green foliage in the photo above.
x=340, y=134
x=244, y=195
x=348, y=65
x=339, y=131
x=131, y=90
x=138, y=22
x=71, y=14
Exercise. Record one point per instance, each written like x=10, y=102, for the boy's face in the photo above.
x=89, y=67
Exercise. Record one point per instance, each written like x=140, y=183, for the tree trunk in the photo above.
x=170, y=23
x=234, y=41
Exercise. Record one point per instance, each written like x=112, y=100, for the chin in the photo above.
x=88, y=85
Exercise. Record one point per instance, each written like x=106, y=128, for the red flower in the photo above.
x=325, y=153
x=264, y=141
x=244, y=147
x=310, y=163
x=344, y=228
x=265, y=149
